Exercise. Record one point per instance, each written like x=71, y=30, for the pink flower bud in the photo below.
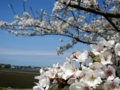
x=55, y=81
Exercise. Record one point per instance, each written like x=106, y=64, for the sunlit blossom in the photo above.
x=110, y=73
x=98, y=49
x=112, y=85
x=117, y=49
x=68, y=69
x=80, y=86
x=106, y=58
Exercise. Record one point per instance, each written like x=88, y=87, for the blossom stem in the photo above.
x=80, y=66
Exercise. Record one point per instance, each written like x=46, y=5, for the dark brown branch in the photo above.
x=24, y=5
x=94, y=11
x=106, y=15
x=112, y=23
x=32, y=12
x=76, y=21
x=74, y=38
x=12, y=9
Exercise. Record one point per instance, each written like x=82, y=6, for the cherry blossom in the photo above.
x=68, y=69
x=106, y=58
x=110, y=73
x=117, y=49
x=87, y=77
x=113, y=85
x=98, y=49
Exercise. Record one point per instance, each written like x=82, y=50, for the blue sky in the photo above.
x=33, y=51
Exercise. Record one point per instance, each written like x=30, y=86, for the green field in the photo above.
x=18, y=69
x=17, y=79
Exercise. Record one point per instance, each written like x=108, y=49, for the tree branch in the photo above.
x=32, y=12
x=24, y=5
x=112, y=23
x=94, y=11
x=106, y=15
x=74, y=38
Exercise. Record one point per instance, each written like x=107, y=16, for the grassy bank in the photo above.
x=18, y=69
x=17, y=79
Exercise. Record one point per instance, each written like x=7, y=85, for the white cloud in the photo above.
x=7, y=51
x=33, y=58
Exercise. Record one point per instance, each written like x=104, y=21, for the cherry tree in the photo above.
x=94, y=22
x=84, y=21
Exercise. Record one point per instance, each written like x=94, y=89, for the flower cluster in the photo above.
x=96, y=71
